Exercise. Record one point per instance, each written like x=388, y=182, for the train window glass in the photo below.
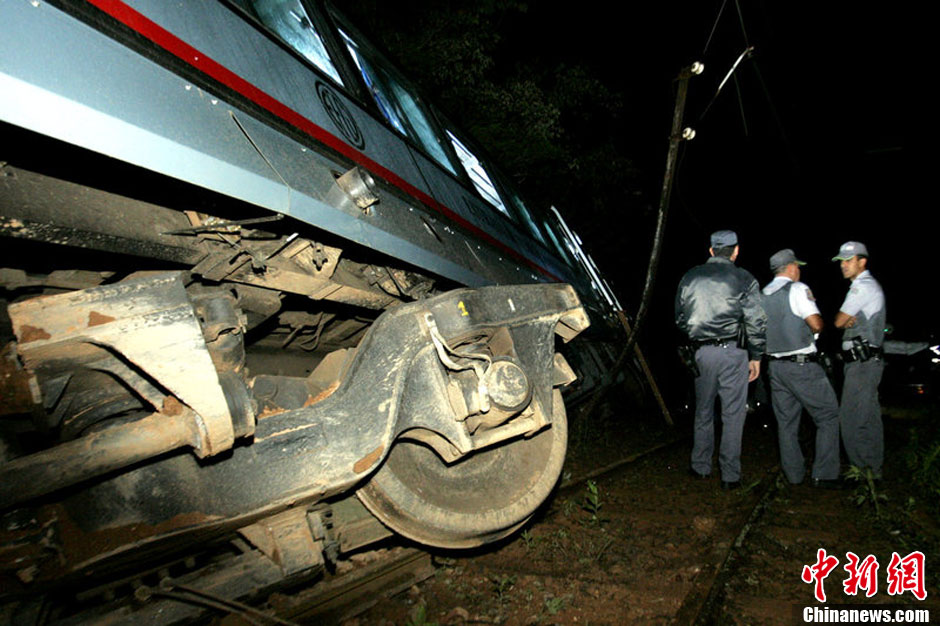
x=378, y=90
x=557, y=241
x=526, y=216
x=481, y=180
x=396, y=103
x=422, y=127
x=289, y=21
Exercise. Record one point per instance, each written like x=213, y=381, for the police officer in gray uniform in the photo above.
x=716, y=305
x=796, y=378
x=862, y=316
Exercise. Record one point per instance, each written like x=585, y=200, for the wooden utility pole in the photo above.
x=676, y=136
x=647, y=371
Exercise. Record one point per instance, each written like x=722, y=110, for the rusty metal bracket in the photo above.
x=149, y=321
x=228, y=226
x=469, y=361
x=286, y=539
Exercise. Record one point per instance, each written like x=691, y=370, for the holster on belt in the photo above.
x=861, y=350
x=742, y=337
x=687, y=356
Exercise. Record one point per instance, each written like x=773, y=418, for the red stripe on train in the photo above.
x=182, y=50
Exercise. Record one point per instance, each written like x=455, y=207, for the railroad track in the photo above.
x=701, y=552
x=666, y=548
x=338, y=598
x=702, y=604
x=390, y=571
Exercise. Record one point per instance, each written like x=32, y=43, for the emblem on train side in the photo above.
x=341, y=116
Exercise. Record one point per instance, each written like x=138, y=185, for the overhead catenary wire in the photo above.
x=748, y=51
x=737, y=5
x=721, y=10
x=672, y=172
x=746, y=54
x=737, y=88
x=711, y=34
x=776, y=115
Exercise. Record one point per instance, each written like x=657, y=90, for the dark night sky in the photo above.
x=805, y=149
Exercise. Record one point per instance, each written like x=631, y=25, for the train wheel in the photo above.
x=472, y=502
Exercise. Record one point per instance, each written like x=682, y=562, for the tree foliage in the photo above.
x=547, y=120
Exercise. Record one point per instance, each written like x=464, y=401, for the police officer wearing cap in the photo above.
x=862, y=317
x=797, y=381
x=718, y=307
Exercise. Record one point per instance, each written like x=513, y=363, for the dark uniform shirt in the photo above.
x=714, y=299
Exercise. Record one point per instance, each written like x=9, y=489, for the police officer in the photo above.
x=862, y=316
x=796, y=378
x=718, y=307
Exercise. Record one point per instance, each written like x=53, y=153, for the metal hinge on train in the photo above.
x=486, y=388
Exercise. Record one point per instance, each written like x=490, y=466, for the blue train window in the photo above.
x=289, y=20
x=422, y=127
x=481, y=180
x=376, y=88
x=523, y=211
x=396, y=102
x=559, y=242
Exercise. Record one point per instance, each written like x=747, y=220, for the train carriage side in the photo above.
x=248, y=272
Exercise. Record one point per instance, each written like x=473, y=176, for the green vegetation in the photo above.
x=558, y=541
x=419, y=617
x=528, y=540
x=592, y=503
x=502, y=585
x=922, y=456
x=569, y=507
x=554, y=605
x=866, y=493
x=593, y=551
x=546, y=121
x=908, y=516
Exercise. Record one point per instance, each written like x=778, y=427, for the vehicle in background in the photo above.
x=912, y=372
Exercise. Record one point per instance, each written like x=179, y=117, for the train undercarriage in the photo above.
x=227, y=400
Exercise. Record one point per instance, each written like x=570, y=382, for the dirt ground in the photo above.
x=646, y=543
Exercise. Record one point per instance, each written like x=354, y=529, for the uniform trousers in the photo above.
x=860, y=415
x=723, y=373
x=794, y=386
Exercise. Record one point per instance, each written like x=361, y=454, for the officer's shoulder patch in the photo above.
x=809, y=294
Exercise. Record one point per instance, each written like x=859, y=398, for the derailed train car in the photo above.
x=250, y=280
